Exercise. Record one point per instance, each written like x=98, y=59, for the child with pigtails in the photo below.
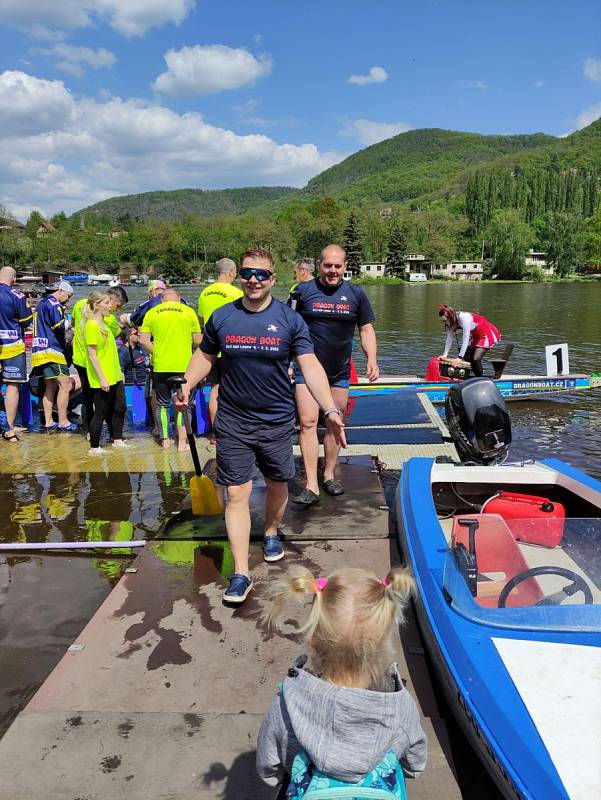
x=349, y=720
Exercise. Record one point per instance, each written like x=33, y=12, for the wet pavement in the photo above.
x=51, y=491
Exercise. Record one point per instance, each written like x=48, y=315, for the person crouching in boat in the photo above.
x=377, y=737
x=478, y=335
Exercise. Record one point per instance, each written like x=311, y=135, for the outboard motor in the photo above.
x=478, y=421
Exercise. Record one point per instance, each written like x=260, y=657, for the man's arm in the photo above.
x=146, y=342
x=317, y=383
x=196, y=339
x=367, y=334
x=198, y=369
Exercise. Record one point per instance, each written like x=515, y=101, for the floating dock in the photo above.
x=162, y=693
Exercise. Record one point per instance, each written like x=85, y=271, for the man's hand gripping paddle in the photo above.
x=203, y=493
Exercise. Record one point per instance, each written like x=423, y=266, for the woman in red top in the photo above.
x=478, y=335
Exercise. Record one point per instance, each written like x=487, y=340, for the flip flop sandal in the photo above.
x=10, y=437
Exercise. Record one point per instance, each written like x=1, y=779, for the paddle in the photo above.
x=203, y=493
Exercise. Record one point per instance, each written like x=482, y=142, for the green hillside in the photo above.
x=419, y=166
x=177, y=204
x=416, y=163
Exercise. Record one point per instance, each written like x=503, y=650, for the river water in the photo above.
x=45, y=601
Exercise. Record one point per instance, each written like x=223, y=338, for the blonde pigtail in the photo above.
x=399, y=586
x=297, y=586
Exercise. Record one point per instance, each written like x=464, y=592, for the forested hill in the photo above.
x=175, y=205
x=418, y=166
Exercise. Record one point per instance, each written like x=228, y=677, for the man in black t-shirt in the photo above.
x=332, y=308
x=257, y=336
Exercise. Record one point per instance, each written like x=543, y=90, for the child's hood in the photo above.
x=345, y=732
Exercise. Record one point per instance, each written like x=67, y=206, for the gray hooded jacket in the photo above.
x=345, y=732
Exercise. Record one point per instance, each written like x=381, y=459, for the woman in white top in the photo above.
x=478, y=335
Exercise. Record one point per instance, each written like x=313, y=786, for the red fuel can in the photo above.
x=531, y=519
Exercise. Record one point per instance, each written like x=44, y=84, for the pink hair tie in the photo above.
x=321, y=584
x=384, y=581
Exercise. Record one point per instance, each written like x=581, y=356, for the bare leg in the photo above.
x=237, y=523
x=48, y=401
x=330, y=447
x=308, y=412
x=182, y=436
x=62, y=398
x=275, y=505
x=11, y=403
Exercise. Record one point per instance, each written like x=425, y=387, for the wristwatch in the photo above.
x=328, y=411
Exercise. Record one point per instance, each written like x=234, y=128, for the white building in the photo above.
x=538, y=259
x=459, y=270
x=373, y=270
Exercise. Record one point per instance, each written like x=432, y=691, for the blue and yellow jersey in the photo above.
x=48, y=345
x=14, y=317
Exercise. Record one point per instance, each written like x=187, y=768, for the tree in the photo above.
x=509, y=239
x=564, y=242
x=352, y=245
x=397, y=250
x=33, y=223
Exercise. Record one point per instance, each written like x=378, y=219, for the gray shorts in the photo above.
x=242, y=447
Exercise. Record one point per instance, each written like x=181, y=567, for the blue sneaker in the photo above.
x=51, y=428
x=273, y=549
x=239, y=588
x=70, y=428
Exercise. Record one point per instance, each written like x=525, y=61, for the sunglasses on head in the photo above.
x=262, y=275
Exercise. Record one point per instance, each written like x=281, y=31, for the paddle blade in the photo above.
x=203, y=493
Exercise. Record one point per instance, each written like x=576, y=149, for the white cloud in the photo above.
x=588, y=116
x=369, y=132
x=30, y=106
x=63, y=153
x=70, y=58
x=474, y=85
x=42, y=18
x=592, y=69
x=208, y=69
x=375, y=75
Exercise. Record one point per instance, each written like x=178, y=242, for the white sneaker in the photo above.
x=121, y=443
x=96, y=451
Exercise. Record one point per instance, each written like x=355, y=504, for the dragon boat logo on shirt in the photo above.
x=272, y=328
x=343, y=297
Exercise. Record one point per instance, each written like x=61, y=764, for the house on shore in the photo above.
x=536, y=258
x=459, y=270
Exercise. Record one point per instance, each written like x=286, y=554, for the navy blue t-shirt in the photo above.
x=331, y=314
x=256, y=349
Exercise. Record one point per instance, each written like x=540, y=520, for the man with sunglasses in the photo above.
x=332, y=308
x=257, y=336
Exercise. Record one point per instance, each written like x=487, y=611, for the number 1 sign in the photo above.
x=558, y=362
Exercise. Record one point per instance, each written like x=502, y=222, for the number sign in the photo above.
x=558, y=362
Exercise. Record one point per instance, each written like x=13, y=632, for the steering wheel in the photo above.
x=578, y=583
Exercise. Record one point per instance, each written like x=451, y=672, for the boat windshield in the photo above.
x=525, y=573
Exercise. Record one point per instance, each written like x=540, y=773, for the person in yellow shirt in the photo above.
x=169, y=332
x=217, y=294
x=118, y=297
x=103, y=372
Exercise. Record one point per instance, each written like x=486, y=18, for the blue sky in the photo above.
x=106, y=97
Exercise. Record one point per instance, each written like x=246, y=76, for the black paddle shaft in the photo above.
x=176, y=384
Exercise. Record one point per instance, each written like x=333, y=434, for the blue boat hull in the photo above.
x=467, y=654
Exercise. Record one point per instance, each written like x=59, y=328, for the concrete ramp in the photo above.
x=162, y=694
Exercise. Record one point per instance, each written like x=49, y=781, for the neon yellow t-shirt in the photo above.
x=171, y=325
x=106, y=350
x=214, y=296
x=80, y=354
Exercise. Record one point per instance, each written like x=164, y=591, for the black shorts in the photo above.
x=242, y=447
x=162, y=389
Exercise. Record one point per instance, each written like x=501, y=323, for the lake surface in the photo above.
x=45, y=601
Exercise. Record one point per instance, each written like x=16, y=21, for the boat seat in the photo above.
x=499, y=357
x=349, y=793
x=499, y=558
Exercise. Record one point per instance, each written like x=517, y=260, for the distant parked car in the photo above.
x=417, y=277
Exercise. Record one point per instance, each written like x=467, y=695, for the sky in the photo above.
x=107, y=97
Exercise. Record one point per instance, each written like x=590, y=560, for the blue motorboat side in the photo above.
x=475, y=678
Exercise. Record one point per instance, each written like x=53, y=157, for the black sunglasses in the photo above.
x=262, y=275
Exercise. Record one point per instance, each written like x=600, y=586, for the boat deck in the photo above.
x=163, y=692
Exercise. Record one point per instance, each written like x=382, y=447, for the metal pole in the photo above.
x=15, y=546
